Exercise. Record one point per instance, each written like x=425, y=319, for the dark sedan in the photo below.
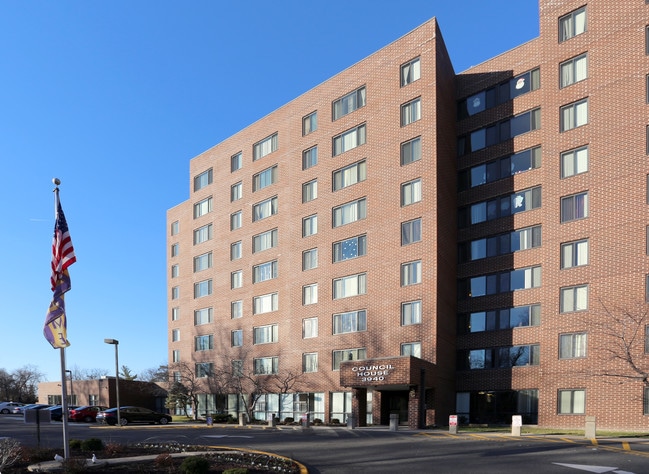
x=131, y=414
x=56, y=412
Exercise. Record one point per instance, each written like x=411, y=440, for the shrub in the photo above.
x=236, y=470
x=112, y=449
x=164, y=460
x=75, y=444
x=317, y=421
x=9, y=452
x=74, y=465
x=288, y=420
x=335, y=421
x=92, y=444
x=195, y=465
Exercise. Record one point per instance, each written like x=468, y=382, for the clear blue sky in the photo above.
x=115, y=97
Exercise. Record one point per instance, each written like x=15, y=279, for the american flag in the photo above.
x=55, y=329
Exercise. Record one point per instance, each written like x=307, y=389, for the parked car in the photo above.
x=56, y=412
x=8, y=407
x=130, y=414
x=86, y=413
x=31, y=406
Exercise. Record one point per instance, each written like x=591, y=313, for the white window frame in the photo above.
x=310, y=190
x=265, y=303
x=310, y=294
x=236, y=250
x=309, y=259
x=236, y=220
x=309, y=123
x=264, y=241
x=571, y=402
x=410, y=72
x=236, y=338
x=203, y=316
x=236, y=279
x=309, y=362
x=264, y=209
x=203, y=234
x=203, y=207
x=236, y=309
x=349, y=212
x=350, y=321
x=349, y=175
x=349, y=139
x=265, y=365
x=411, y=313
x=236, y=191
x=411, y=349
x=264, y=271
x=411, y=192
x=350, y=285
x=266, y=334
x=309, y=328
x=411, y=112
x=203, y=262
x=411, y=273
x=203, y=288
x=310, y=225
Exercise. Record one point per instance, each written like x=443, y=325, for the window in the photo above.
x=348, y=103
x=310, y=123
x=502, y=206
x=499, y=357
x=174, y=271
x=264, y=303
x=349, y=175
x=236, y=192
x=309, y=259
x=265, y=334
x=175, y=313
x=175, y=335
x=411, y=151
x=236, y=279
x=237, y=368
x=202, y=180
x=235, y=162
x=202, y=262
x=572, y=24
x=264, y=241
x=175, y=293
x=574, y=298
x=411, y=273
x=350, y=212
x=265, y=365
x=646, y=339
x=411, y=231
x=202, y=316
x=310, y=294
x=574, y=254
x=352, y=321
x=351, y=285
x=411, y=313
x=410, y=72
x=348, y=140
x=646, y=40
x=573, y=70
x=410, y=112
x=572, y=402
x=505, y=318
x=519, y=279
x=645, y=401
x=204, y=343
x=203, y=369
x=310, y=225
x=411, y=192
x=202, y=234
x=264, y=271
x=175, y=356
x=310, y=362
x=264, y=209
x=572, y=346
x=347, y=354
x=235, y=220
x=236, y=309
x=264, y=178
x=235, y=250
x=411, y=349
x=574, y=115
x=501, y=168
x=350, y=248
x=264, y=147
x=309, y=328
x=500, y=244
x=202, y=207
x=310, y=191
x=574, y=207
x=202, y=288
x=175, y=228
x=309, y=157
x=236, y=338
x=574, y=162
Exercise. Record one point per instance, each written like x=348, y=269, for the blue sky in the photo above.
x=115, y=97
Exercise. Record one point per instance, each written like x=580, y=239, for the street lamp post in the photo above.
x=71, y=391
x=115, y=342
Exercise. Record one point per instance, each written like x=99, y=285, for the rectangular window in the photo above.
x=350, y=248
x=500, y=244
x=310, y=362
x=202, y=180
x=645, y=401
x=203, y=369
x=411, y=151
x=204, y=343
x=235, y=250
x=236, y=309
x=265, y=334
x=236, y=338
x=236, y=162
x=411, y=192
x=574, y=207
x=265, y=365
x=646, y=339
x=348, y=103
x=574, y=115
x=349, y=140
x=352, y=321
x=574, y=254
x=175, y=293
x=411, y=313
x=264, y=209
x=411, y=273
x=572, y=402
x=175, y=335
x=505, y=318
x=237, y=368
x=310, y=191
x=411, y=349
x=202, y=234
x=264, y=147
x=202, y=262
x=202, y=288
x=309, y=328
x=309, y=259
x=347, y=354
x=310, y=294
x=574, y=162
x=410, y=72
x=502, y=206
x=411, y=112
x=175, y=356
x=264, y=271
x=175, y=269
x=519, y=279
x=264, y=178
x=202, y=316
x=236, y=192
x=175, y=313
x=264, y=241
x=572, y=346
x=202, y=207
x=350, y=212
x=309, y=123
x=264, y=303
x=572, y=24
x=175, y=228
x=574, y=298
x=501, y=168
x=309, y=158
x=411, y=231
x=236, y=279
x=351, y=285
x=235, y=220
x=573, y=70
x=352, y=174
x=310, y=225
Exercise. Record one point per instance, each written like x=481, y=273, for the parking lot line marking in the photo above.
x=626, y=446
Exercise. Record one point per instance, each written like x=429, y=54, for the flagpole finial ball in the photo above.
x=56, y=181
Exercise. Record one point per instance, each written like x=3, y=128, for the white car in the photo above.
x=8, y=407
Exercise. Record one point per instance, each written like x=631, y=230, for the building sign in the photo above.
x=372, y=373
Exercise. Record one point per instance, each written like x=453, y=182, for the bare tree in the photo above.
x=193, y=384
x=156, y=374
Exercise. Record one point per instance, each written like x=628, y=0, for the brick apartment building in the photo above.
x=404, y=239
